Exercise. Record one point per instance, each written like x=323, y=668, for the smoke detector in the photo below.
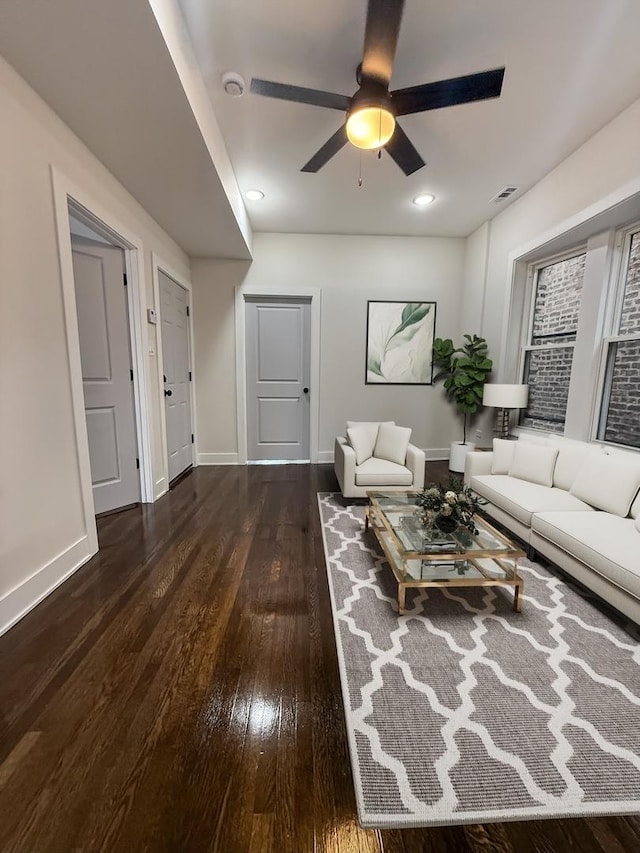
x=233, y=84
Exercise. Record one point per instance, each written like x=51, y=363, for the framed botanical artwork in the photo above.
x=400, y=343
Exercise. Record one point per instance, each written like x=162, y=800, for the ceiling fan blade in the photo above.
x=331, y=147
x=300, y=94
x=446, y=93
x=380, y=39
x=401, y=149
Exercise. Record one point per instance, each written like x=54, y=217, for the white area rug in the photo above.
x=462, y=711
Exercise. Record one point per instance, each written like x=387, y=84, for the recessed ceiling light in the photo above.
x=424, y=199
x=254, y=195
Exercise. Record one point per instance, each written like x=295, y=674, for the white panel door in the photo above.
x=278, y=333
x=103, y=326
x=175, y=360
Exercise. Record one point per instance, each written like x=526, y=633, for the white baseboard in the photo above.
x=433, y=454
x=160, y=488
x=20, y=600
x=217, y=458
x=436, y=454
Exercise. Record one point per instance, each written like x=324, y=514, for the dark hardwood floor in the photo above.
x=181, y=692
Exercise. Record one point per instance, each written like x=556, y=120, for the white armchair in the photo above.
x=377, y=456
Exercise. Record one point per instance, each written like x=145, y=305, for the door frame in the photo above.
x=68, y=196
x=242, y=293
x=158, y=266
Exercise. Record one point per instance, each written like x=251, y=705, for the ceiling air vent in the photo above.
x=505, y=193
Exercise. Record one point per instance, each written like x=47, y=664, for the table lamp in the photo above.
x=504, y=398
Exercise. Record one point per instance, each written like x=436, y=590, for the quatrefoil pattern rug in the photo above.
x=463, y=711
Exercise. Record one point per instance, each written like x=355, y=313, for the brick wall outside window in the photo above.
x=555, y=321
x=622, y=419
x=547, y=373
x=623, y=414
x=557, y=302
x=630, y=320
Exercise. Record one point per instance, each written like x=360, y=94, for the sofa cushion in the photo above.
x=608, y=482
x=363, y=441
x=380, y=472
x=521, y=499
x=370, y=426
x=392, y=443
x=502, y=455
x=534, y=463
x=571, y=455
x=606, y=543
x=533, y=438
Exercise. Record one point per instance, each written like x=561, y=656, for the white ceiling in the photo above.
x=105, y=68
x=571, y=66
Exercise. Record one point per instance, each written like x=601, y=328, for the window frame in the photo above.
x=533, y=273
x=616, y=292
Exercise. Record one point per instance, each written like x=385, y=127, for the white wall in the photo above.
x=598, y=175
x=43, y=534
x=213, y=294
x=349, y=271
x=174, y=31
x=473, y=291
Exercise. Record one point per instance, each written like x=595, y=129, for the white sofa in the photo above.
x=577, y=504
x=377, y=455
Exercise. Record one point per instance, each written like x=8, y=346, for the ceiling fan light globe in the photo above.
x=370, y=127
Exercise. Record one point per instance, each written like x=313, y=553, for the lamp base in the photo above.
x=502, y=423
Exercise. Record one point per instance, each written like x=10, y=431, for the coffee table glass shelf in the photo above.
x=422, y=556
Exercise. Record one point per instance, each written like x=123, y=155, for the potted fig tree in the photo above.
x=464, y=370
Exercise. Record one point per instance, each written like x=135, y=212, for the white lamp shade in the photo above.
x=505, y=396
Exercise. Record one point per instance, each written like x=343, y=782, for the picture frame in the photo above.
x=399, y=342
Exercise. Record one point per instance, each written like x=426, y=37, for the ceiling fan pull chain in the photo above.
x=360, y=174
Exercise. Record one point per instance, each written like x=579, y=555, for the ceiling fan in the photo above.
x=372, y=111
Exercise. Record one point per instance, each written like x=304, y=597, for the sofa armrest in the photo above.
x=476, y=463
x=344, y=463
x=415, y=463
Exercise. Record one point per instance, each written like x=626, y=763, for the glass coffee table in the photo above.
x=423, y=557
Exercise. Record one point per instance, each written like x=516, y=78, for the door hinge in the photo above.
x=187, y=310
x=131, y=373
x=124, y=278
x=189, y=376
x=137, y=462
x=191, y=438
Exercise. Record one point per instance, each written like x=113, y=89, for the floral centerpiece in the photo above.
x=449, y=506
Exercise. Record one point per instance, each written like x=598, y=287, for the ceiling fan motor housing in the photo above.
x=372, y=94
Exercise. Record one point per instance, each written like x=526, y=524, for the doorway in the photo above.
x=69, y=199
x=177, y=375
x=278, y=371
x=100, y=283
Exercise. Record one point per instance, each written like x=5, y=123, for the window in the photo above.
x=548, y=351
x=620, y=403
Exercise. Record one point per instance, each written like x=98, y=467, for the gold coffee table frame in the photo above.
x=486, y=559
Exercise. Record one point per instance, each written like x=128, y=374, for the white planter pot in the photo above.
x=458, y=455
